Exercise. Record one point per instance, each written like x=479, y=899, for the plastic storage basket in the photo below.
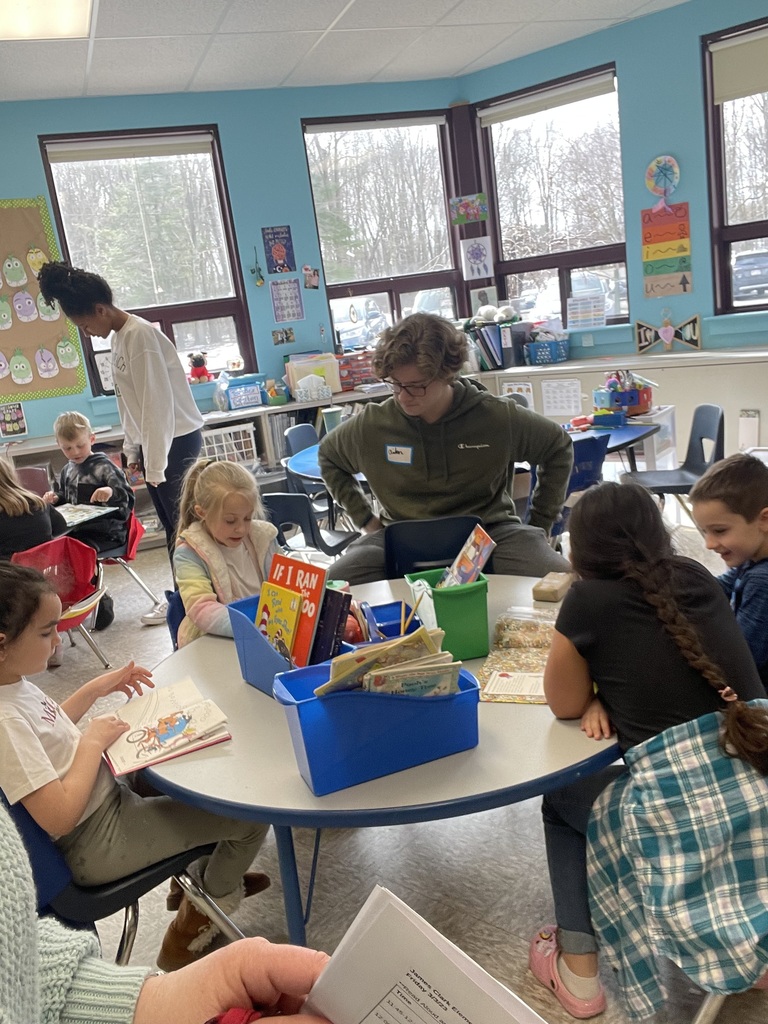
x=462, y=611
x=346, y=738
x=235, y=444
x=539, y=353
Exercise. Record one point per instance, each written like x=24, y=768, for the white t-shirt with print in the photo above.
x=38, y=744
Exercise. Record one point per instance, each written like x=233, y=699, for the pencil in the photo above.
x=402, y=617
x=409, y=620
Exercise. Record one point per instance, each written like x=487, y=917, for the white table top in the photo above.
x=523, y=749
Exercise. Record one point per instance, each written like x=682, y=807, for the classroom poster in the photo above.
x=40, y=354
x=666, y=238
x=468, y=209
x=278, y=249
x=13, y=424
x=286, y=300
x=476, y=258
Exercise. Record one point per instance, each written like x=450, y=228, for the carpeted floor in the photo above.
x=480, y=879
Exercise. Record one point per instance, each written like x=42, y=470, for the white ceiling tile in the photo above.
x=260, y=61
x=35, y=70
x=281, y=15
x=375, y=14
x=491, y=12
x=350, y=56
x=140, y=66
x=118, y=18
x=656, y=5
x=439, y=51
x=592, y=10
x=532, y=39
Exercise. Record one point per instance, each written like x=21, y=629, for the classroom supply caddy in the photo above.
x=541, y=353
x=462, y=611
x=239, y=392
x=387, y=617
x=353, y=736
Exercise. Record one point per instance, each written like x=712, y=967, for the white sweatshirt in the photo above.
x=153, y=395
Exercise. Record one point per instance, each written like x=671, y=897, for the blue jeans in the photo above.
x=566, y=812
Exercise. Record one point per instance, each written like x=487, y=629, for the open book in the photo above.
x=164, y=723
x=393, y=966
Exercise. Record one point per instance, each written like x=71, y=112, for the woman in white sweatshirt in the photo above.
x=160, y=419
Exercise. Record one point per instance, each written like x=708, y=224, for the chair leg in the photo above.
x=709, y=1009
x=92, y=644
x=129, y=569
x=206, y=905
x=685, y=507
x=128, y=937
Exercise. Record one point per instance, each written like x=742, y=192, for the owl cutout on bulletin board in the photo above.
x=688, y=333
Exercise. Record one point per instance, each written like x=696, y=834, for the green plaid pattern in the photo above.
x=678, y=866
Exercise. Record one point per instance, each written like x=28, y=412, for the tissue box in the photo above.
x=346, y=738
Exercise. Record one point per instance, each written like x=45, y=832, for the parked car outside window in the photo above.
x=750, y=274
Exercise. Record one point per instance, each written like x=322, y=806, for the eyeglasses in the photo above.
x=414, y=390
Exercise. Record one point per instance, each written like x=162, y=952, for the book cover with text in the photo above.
x=309, y=582
x=278, y=615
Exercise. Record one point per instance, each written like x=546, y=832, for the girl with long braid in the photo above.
x=652, y=631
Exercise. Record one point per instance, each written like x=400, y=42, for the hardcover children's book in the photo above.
x=278, y=615
x=165, y=722
x=469, y=562
x=309, y=582
x=330, y=629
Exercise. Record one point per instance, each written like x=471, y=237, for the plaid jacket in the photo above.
x=678, y=866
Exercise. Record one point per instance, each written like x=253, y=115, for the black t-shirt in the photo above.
x=17, y=533
x=644, y=681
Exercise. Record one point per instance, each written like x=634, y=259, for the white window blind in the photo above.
x=740, y=65
x=126, y=147
x=366, y=126
x=546, y=99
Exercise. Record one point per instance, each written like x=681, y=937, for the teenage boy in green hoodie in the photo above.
x=443, y=446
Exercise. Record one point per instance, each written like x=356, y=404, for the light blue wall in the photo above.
x=661, y=104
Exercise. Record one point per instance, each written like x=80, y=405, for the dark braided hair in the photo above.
x=616, y=532
x=77, y=291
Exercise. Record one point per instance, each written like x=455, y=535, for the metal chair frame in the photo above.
x=125, y=553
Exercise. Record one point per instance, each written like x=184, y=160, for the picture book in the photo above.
x=309, y=582
x=433, y=676
x=278, y=616
x=347, y=670
x=391, y=965
x=469, y=562
x=330, y=628
x=164, y=723
x=76, y=514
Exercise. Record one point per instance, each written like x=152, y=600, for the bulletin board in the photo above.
x=40, y=354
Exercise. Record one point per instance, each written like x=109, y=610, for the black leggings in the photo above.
x=165, y=497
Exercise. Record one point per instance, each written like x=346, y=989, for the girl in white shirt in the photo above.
x=104, y=829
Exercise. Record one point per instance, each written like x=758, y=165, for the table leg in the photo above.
x=294, y=910
x=632, y=458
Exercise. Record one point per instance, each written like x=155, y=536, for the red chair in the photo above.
x=34, y=479
x=71, y=568
x=125, y=553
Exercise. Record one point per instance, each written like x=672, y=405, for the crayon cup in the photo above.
x=331, y=417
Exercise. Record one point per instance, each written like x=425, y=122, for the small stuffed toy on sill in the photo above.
x=198, y=373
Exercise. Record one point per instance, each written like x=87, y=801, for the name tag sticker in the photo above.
x=399, y=453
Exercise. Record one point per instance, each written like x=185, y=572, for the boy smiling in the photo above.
x=730, y=506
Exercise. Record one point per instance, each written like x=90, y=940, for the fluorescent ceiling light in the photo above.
x=45, y=19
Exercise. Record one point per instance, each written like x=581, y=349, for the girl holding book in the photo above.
x=224, y=545
x=654, y=633
x=104, y=828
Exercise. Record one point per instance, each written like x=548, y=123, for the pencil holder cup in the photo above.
x=462, y=611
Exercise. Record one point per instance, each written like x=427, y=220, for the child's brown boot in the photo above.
x=253, y=882
x=187, y=938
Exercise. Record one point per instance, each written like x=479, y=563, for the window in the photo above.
x=149, y=212
x=555, y=168
x=737, y=84
x=380, y=200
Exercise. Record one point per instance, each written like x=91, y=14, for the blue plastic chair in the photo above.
x=588, y=458
x=174, y=615
x=415, y=545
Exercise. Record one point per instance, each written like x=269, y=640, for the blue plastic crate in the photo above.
x=346, y=738
x=386, y=618
x=539, y=353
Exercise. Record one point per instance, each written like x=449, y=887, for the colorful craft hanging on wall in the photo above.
x=40, y=354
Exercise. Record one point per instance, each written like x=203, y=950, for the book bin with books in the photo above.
x=461, y=610
x=352, y=736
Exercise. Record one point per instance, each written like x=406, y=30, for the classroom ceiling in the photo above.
x=165, y=46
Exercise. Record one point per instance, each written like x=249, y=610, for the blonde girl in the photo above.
x=25, y=519
x=224, y=545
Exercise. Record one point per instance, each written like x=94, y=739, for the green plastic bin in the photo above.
x=462, y=611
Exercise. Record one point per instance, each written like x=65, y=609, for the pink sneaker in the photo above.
x=542, y=961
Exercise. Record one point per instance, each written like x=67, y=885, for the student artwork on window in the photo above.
x=468, y=209
x=40, y=355
x=476, y=258
x=278, y=249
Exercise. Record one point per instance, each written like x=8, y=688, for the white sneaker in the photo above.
x=156, y=617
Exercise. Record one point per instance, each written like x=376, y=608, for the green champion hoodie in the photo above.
x=461, y=465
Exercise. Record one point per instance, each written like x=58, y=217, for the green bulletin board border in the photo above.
x=53, y=251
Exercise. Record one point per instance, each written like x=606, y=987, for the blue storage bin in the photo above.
x=346, y=738
x=259, y=661
x=387, y=618
x=539, y=353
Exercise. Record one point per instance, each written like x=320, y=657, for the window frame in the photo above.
x=567, y=260
x=167, y=315
x=397, y=286
x=722, y=234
